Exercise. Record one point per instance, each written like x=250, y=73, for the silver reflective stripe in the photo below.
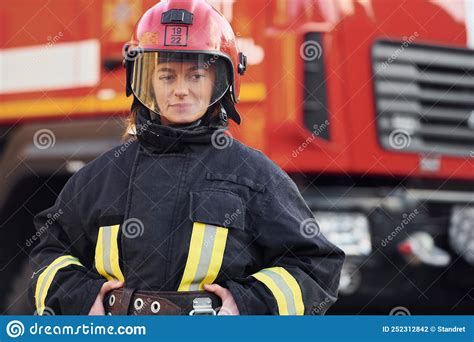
x=284, y=288
x=50, y=271
x=206, y=254
x=107, y=254
x=106, y=238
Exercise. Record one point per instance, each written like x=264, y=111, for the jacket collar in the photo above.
x=174, y=138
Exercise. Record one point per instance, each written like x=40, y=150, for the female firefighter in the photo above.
x=182, y=219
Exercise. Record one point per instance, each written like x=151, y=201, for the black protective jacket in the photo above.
x=174, y=209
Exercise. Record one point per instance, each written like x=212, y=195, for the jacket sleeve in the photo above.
x=63, y=280
x=301, y=269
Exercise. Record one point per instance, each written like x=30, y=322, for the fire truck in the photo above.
x=368, y=105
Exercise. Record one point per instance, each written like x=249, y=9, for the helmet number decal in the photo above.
x=176, y=35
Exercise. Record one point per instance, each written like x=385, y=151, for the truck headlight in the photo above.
x=461, y=232
x=348, y=231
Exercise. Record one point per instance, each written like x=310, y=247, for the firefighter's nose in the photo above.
x=181, y=89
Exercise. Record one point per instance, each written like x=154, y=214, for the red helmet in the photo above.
x=184, y=31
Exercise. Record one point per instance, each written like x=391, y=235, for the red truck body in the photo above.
x=329, y=85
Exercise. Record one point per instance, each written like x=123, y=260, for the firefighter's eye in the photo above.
x=166, y=77
x=197, y=77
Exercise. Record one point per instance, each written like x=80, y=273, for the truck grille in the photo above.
x=424, y=97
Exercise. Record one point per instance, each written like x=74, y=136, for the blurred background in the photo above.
x=368, y=105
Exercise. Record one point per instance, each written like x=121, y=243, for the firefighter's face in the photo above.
x=183, y=90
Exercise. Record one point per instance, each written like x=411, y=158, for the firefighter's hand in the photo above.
x=228, y=303
x=98, y=306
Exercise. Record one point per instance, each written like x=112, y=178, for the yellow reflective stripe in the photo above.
x=114, y=254
x=284, y=288
x=294, y=286
x=277, y=293
x=192, y=263
x=107, y=253
x=46, y=278
x=216, y=258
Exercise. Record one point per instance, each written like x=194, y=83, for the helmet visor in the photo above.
x=180, y=86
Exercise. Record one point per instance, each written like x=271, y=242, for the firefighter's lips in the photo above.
x=181, y=106
x=182, y=109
